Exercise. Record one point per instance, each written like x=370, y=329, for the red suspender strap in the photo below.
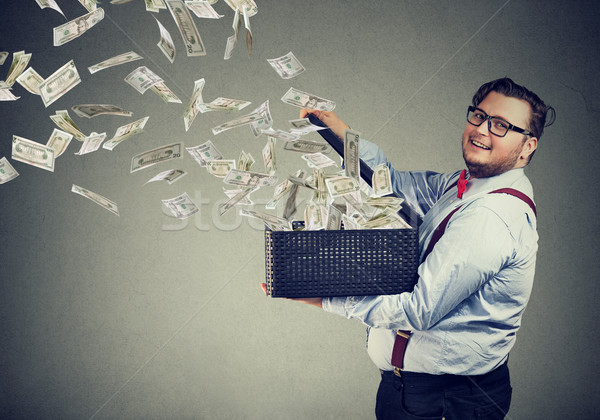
x=402, y=336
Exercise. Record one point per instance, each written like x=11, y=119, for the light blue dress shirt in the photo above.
x=472, y=290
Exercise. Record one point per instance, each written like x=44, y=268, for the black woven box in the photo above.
x=327, y=263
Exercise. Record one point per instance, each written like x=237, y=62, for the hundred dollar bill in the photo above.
x=65, y=123
x=157, y=155
x=3, y=56
x=223, y=104
x=232, y=40
x=59, y=141
x=91, y=143
x=268, y=153
x=90, y=5
x=115, y=61
x=166, y=44
x=287, y=66
x=192, y=108
x=203, y=9
x=318, y=160
x=51, y=4
x=307, y=146
x=104, y=202
x=381, y=181
x=204, y=153
x=239, y=4
x=351, y=154
x=272, y=222
x=77, y=27
x=220, y=167
x=18, y=65
x=7, y=172
x=33, y=153
x=93, y=110
x=248, y=179
x=301, y=99
x=181, y=206
x=170, y=175
x=187, y=28
x=30, y=80
x=60, y=82
x=236, y=199
x=142, y=79
x=164, y=93
x=124, y=132
x=341, y=185
x=255, y=116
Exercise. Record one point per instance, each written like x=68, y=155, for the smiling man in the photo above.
x=442, y=349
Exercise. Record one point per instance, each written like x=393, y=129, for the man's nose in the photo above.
x=484, y=128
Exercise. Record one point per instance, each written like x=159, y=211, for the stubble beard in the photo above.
x=488, y=169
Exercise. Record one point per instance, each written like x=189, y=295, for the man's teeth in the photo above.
x=483, y=146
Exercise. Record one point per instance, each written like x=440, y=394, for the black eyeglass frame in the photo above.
x=489, y=121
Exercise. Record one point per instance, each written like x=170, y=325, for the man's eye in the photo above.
x=500, y=124
x=479, y=116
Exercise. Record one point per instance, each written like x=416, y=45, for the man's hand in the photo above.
x=318, y=302
x=330, y=119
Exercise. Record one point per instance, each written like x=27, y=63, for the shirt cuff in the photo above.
x=334, y=305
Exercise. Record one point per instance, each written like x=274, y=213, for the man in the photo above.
x=475, y=278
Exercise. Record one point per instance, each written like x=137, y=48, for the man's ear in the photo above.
x=528, y=148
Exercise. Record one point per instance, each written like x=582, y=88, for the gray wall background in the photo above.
x=144, y=316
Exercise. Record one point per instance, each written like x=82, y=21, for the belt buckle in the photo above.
x=397, y=372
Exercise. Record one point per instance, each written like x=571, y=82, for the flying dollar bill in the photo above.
x=268, y=153
x=192, y=108
x=3, y=56
x=18, y=65
x=236, y=199
x=142, y=79
x=93, y=110
x=239, y=4
x=166, y=44
x=157, y=155
x=164, y=93
x=7, y=172
x=204, y=153
x=307, y=146
x=170, y=175
x=60, y=82
x=271, y=221
x=318, y=160
x=341, y=185
x=90, y=5
x=202, y=9
x=249, y=179
x=96, y=198
x=232, y=40
x=124, y=132
x=30, y=80
x=33, y=153
x=223, y=104
x=181, y=206
x=220, y=167
x=287, y=66
x=77, y=27
x=302, y=99
x=91, y=143
x=62, y=119
x=115, y=61
x=59, y=141
x=187, y=28
x=51, y=4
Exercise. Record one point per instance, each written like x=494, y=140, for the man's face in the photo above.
x=487, y=154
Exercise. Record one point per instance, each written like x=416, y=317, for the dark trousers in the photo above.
x=413, y=396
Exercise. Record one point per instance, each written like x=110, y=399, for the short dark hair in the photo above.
x=539, y=110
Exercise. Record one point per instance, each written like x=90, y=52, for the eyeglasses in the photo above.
x=496, y=125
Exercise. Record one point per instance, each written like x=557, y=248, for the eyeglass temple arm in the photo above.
x=408, y=213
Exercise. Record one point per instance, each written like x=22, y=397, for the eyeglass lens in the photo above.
x=496, y=125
